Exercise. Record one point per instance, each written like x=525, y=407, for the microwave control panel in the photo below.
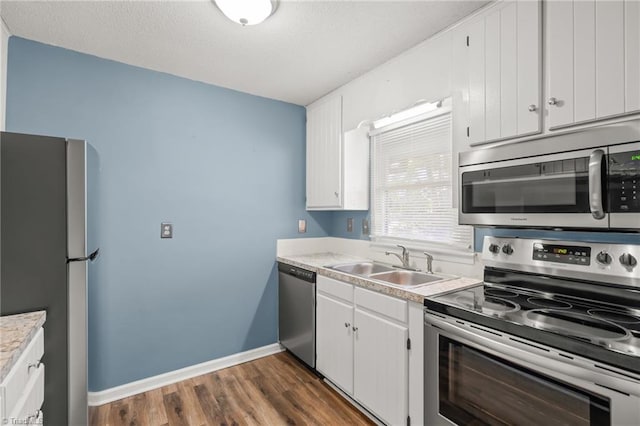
x=624, y=182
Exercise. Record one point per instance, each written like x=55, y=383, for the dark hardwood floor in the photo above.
x=275, y=390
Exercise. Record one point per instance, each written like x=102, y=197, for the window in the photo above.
x=411, y=186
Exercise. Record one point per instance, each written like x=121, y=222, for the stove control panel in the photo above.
x=575, y=255
x=592, y=261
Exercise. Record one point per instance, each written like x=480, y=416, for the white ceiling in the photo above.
x=305, y=50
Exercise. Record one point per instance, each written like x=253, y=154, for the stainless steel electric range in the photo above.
x=551, y=337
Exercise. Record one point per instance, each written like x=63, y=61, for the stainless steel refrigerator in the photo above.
x=44, y=258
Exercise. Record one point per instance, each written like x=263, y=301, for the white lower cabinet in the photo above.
x=334, y=341
x=380, y=367
x=362, y=346
x=22, y=391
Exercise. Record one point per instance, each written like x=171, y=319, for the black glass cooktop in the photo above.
x=596, y=321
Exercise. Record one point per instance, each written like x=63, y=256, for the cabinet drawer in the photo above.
x=335, y=288
x=28, y=406
x=380, y=303
x=21, y=373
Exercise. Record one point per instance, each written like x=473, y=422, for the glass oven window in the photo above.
x=548, y=187
x=477, y=388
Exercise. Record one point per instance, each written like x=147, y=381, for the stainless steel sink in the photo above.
x=362, y=268
x=406, y=278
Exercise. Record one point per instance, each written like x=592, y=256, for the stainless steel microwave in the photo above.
x=582, y=180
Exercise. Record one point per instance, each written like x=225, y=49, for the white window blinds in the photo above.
x=412, y=185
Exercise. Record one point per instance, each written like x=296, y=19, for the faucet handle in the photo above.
x=429, y=262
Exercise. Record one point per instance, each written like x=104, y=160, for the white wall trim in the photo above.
x=139, y=386
x=4, y=48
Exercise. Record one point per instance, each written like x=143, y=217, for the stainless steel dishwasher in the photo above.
x=297, y=312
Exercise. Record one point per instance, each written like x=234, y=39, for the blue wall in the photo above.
x=226, y=168
x=339, y=224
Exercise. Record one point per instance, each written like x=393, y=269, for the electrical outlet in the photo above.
x=166, y=230
x=349, y=224
x=302, y=226
x=365, y=227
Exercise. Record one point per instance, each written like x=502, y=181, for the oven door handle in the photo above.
x=595, y=184
x=499, y=347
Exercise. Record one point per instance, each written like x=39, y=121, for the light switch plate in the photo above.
x=365, y=227
x=302, y=226
x=166, y=230
x=349, y=224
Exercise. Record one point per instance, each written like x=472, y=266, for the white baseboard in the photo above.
x=139, y=386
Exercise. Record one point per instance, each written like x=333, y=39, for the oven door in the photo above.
x=559, y=190
x=483, y=377
x=624, y=186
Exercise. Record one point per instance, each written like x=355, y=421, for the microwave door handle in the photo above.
x=595, y=184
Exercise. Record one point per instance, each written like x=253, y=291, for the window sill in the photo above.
x=417, y=248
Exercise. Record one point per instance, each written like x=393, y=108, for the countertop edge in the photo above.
x=416, y=295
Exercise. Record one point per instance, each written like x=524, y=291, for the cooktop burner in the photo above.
x=617, y=317
x=497, y=292
x=549, y=303
x=575, y=325
x=498, y=307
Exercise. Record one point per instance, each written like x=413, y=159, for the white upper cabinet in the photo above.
x=632, y=55
x=593, y=56
x=503, y=72
x=337, y=163
x=324, y=152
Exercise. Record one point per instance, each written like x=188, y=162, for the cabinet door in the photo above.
x=590, y=58
x=504, y=57
x=609, y=58
x=476, y=73
x=324, y=154
x=334, y=341
x=529, y=59
x=584, y=68
x=560, y=54
x=381, y=367
x=632, y=54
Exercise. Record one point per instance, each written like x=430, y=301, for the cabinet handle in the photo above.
x=355, y=329
x=35, y=365
x=346, y=324
x=33, y=417
x=532, y=108
x=336, y=194
x=553, y=101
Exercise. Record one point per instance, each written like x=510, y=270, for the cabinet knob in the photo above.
x=355, y=329
x=335, y=193
x=346, y=324
x=553, y=101
x=533, y=108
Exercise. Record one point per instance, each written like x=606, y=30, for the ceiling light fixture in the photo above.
x=247, y=12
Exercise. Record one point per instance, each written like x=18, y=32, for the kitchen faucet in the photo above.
x=404, y=258
x=429, y=262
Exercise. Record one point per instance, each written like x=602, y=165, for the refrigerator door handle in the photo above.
x=91, y=257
